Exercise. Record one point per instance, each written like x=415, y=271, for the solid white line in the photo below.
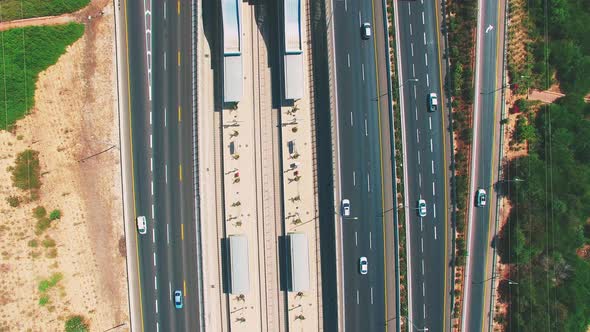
x=425, y=38
x=422, y=17
x=434, y=209
x=356, y=240
x=348, y=55
x=422, y=266
x=153, y=235
x=357, y=296
x=433, y=167
x=417, y=136
x=431, y=148
x=430, y=122
x=433, y=191
x=412, y=48
x=435, y=232
x=422, y=244
x=351, y=120
x=368, y=183
x=427, y=80
x=354, y=178
x=168, y=233
x=370, y=241
x=426, y=59
x=363, y=70
x=152, y=211
x=371, y=295
x=156, y=282
x=366, y=128
x=150, y=141
x=154, y=259
x=418, y=157
x=166, y=173
x=165, y=117
x=156, y=305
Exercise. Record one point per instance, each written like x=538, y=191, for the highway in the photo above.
x=484, y=164
x=365, y=171
x=425, y=150
x=159, y=53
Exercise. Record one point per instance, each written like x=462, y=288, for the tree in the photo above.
x=76, y=324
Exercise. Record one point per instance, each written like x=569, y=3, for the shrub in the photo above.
x=76, y=324
x=42, y=225
x=13, y=201
x=33, y=243
x=26, y=172
x=55, y=214
x=46, y=284
x=48, y=242
x=43, y=300
x=39, y=212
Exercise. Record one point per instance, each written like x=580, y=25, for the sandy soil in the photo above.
x=74, y=117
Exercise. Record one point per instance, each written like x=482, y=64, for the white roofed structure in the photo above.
x=298, y=262
x=293, y=58
x=238, y=262
x=231, y=11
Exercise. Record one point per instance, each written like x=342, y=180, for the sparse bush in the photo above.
x=13, y=201
x=26, y=172
x=39, y=212
x=46, y=284
x=42, y=225
x=48, y=242
x=55, y=214
x=33, y=243
x=76, y=324
x=52, y=253
x=43, y=300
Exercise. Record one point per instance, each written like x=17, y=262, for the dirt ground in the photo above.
x=75, y=116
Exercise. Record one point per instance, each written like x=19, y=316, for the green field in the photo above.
x=19, y=9
x=25, y=53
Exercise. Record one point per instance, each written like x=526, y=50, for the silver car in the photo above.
x=422, y=208
x=432, y=102
x=363, y=265
x=346, y=207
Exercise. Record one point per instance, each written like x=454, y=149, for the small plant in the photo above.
x=39, y=212
x=46, y=284
x=295, y=155
x=235, y=156
x=238, y=223
x=48, y=242
x=240, y=319
x=44, y=300
x=52, y=253
x=13, y=201
x=55, y=214
x=300, y=317
x=33, y=243
x=294, y=129
x=241, y=297
x=237, y=203
x=42, y=225
x=236, y=180
x=76, y=324
x=297, y=221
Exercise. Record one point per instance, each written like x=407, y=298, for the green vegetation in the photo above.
x=33, y=243
x=43, y=300
x=20, y=69
x=42, y=225
x=48, y=242
x=19, y=9
x=13, y=201
x=39, y=212
x=26, y=172
x=46, y=284
x=548, y=224
x=55, y=214
x=76, y=324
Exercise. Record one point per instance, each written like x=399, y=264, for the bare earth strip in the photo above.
x=74, y=118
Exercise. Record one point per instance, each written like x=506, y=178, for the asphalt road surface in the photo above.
x=484, y=165
x=425, y=154
x=361, y=164
x=161, y=104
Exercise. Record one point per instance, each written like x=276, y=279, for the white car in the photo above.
x=141, y=225
x=432, y=102
x=481, y=198
x=422, y=208
x=363, y=265
x=366, y=31
x=346, y=207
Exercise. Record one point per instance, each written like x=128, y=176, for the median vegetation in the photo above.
x=26, y=53
x=20, y=9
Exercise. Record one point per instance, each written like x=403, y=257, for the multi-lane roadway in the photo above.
x=159, y=54
x=425, y=163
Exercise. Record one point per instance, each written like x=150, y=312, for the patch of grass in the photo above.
x=76, y=323
x=33, y=243
x=44, y=46
x=42, y=225
x=43, y=300
x=11, y=9
x=39, y=212
x=52, y=253
x=46, y=284
x=55, y=214
x=48, y=242
x=27, y=171
x=13, y=201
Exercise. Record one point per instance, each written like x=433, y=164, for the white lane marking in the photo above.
x=156, y=282
x=419, y=179
x=360, y=19
x=424, y=308
x=152, y=186
x=423, y=290
x=348, y=55
x=167, y=233
x=421, y=225
x=427, y=80
x=170, y=290
x=371, y=295
x=412, y=48
x=414, y=74
x=418, y=157
x=150, y=118
x=433, y=191
x=435, y=232
x=156, y=305
x=166, y=173
x=165, y=117
x=433, y=167
x=357, y=296
x=421, y=244
x=354, y=178
x=164, y=9
x=417, y=136
x=410, y=29
x=345, y=6
x=152, y=211
x=368, y=183
x=426, y=59
x=152, y=165
x=422, y=266
x=434, y=209
x=363, y=70
x=489, y=28
x=409, y=12
x=153, y=235
x=422, y=17
x=158, y=327
x=415, y=94
x=431, y=147
x=150, y=141
x=425, y=38
x=430, y=122
x=366, y=128
x=356, y=239
x=351, y=120
x=154, y=259
x=416, y=113
x=370, y=241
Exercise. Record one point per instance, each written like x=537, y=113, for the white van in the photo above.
x=141, y=225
